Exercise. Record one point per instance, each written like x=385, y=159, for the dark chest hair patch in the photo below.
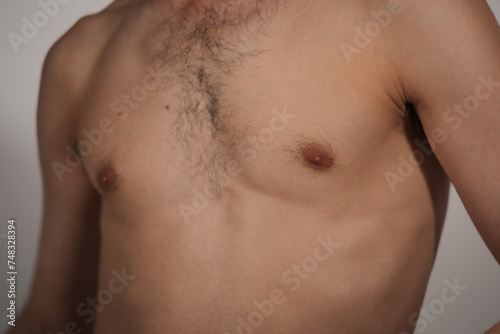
x=197, y=49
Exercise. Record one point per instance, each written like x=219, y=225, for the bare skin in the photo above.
x=252, y=164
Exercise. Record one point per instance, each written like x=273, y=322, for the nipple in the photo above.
x=107, y=178
x=317, y=156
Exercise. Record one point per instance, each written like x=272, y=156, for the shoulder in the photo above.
x=68, y=66
x=451, y=19
x=72, y=57
x=450, y=26
x=444, y=46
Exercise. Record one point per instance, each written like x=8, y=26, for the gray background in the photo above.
x=462, y=254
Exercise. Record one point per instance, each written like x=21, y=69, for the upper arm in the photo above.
x=68, y=254
x=456, y=63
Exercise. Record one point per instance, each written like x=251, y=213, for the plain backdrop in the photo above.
x=462, y=254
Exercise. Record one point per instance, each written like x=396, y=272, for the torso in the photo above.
x=258, y=144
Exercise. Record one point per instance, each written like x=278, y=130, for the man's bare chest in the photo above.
x=192, y=101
